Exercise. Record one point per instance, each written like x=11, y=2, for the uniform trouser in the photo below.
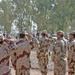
x=43, y=65
x=71, y=67
x=60, y=67
x=22, y=72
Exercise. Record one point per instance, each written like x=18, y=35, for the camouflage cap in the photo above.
x=60, y=32
x=44, y=32
x=72, y=33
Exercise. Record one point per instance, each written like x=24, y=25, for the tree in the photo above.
x=22, y=14
x=7, y=15
x=51, y=15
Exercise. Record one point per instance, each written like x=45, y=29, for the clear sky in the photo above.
x=0, y=0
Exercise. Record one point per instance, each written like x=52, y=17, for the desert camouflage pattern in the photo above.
x=42, y=54
x=71, y=58
x=66, y=44
x=58, y=57
x=35, y=42
x=22, y=57
x=5, y=51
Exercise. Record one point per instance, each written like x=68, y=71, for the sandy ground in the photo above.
x=37, y=72
x=33, y=72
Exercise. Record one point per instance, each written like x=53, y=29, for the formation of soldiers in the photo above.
x=19, y=53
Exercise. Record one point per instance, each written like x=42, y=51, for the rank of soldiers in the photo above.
x=19, y=53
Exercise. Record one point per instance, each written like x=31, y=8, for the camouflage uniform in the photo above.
x=58, y=57
x=42, y=55
x=22, y=57
x=6, y=49
x=71, y=57
x=34, y=40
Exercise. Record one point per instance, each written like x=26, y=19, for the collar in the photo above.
x=72, y=39
x=59, y=39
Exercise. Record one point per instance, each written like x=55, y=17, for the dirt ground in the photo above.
x=33, y=72
x=37, y=72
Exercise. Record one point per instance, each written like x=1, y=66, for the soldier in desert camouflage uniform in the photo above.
x=71, y=54
x=65, y=42
x=34, y=40
x=7, y=47
x=22, y=62
x=42, y=53
x=58, y=55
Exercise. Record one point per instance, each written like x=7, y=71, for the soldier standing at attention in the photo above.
x=58, y=55
x=71, y=54
x=42, y=53
x=65, y=42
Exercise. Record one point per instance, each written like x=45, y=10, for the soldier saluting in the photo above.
x=22, y=56
x=42, y=53
x=7, y=47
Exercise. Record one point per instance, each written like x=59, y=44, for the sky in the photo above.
x=0, y=0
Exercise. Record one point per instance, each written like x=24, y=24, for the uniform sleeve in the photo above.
x=38, y=54
x=71, y=52
x=47, y=46
x=12, y=47
x=40, y=51
x=35, y=42
x=63, y=49
x=31, y=45
x=13, y=59
x=53, y=53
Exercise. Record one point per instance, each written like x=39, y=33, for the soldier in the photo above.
x=65, y=42
x=34, y=40
x=71, y=54
x=22, y=56
x=42, y=53
x=7, y=47
x=58, y=55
